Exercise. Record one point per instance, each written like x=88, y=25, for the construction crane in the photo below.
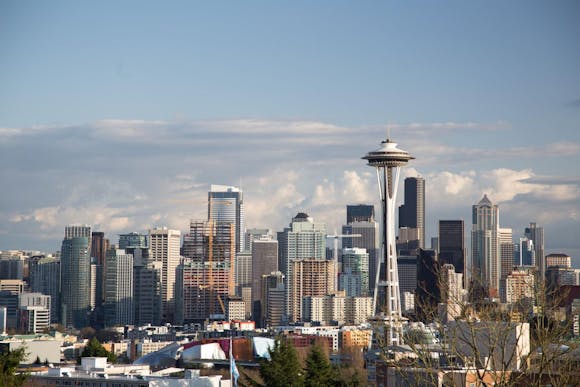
x=336, y=238
x=335, y=254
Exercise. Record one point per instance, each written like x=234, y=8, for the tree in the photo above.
x=319, y=371
x=283, y=368
x=95, y=349
x=522, y=343
x=9, y=361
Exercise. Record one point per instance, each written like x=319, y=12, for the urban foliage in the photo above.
x=9, y=361
x=95, y=349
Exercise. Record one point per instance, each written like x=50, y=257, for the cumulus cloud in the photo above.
x=131, y=175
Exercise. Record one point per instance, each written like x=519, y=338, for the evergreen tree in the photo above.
x=319, y=371
x=95, y=349
x=283, y=368
x=9, y=361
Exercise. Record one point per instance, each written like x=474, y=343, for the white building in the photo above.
x=164, y=245
x=118, y=288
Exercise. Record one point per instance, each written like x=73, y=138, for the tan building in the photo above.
x=309, y=277
x=558, y=260
x=520, y=287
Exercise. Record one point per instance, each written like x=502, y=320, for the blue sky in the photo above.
x=121, y=114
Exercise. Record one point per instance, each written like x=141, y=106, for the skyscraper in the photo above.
x=525, y=253
x=536, y=235
x=388, y=159
x=412, y=213
x=45, y=278
x=360, y=213
x=310, y=277
x=361, y=220
x=164, y=248
x=118, y=303
x=485, y=257
x=206, y=277
x=354, y=275
x=75, y=276
x=303, y=238
x=226, y=204
x=264, y=262
x=452, y=244
x=506, y=258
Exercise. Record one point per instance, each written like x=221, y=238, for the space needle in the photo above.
x=388, y=160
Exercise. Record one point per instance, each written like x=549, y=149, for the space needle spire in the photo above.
x=388, y=160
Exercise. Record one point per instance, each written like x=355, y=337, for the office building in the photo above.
x=536, y=235
x=451, y=245
x=243, y=271
x=75, y=277
x=451, y=290
x=254, y=234
x=118, y=304
x=407, y=268
x=428, y=291
x=264, y=262
x=525, y=253
x=132, y=240
x=360, y=213
x=485, y=254
x=148, y=308
x=34, y=312
x=164, y=247
x=558, y=260
x=302, y=239
x=309, y=277
x=412, y=213
x=273, y=299
x=506, y=257
x=44, y=277
x=226, y=204
x=361, y=221
x=12, y=268
x=354, y=275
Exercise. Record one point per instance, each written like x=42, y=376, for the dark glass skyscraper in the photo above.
x=360, y=213
x=412, y=213
x=452, y=244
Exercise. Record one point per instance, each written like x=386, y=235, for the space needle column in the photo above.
x=388, y=160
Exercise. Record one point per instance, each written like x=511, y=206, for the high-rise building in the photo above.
x=506, y=257
x=75, y=276
x=360, y=213
x=451, y=290
x=485, y=255
x=273, y=299
x=132, y=240
x=302, y=239
x=407, y=268
x=243, y=271
x=388, y=161
x=525, y=253
x=164, y=248
x=206, y=277
x=412, y=213
x=536, y=235
x=428, y=292
x=520, y=287
x=354, y=275
x=147, y=292
x=118, y=304
x=309, y=277
x=558, y=260
x=226, y=204
x=45, y=278
x=12, y=268
x=360, y=220
x=264, y=262
x=253, y=234
x=451, y=247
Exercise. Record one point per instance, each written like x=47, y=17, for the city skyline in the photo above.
x=127, y=130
